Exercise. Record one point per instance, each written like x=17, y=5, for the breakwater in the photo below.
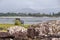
x=49, y=30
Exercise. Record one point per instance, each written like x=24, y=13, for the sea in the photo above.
x=27, y=20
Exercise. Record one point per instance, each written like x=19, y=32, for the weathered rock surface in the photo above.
x=35, y=30
x=49, y=27
x=20, y=33
x=16, y=29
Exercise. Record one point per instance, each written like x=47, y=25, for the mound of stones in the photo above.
x=51, y=27
x=36, y=30
x=18, y=32
x=16, y=29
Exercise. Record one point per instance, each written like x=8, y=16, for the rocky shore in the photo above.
x=51, y=27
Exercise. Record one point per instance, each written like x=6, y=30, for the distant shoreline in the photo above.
x=21, y=16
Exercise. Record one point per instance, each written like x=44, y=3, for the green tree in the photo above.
x=18, y=22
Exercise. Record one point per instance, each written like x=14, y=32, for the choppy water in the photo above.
x=28, y=20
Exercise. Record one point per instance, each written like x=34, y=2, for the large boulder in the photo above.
x=44, y=28
x=20, y=33
x=35, y=30
x=16, y=29
x=48, y=27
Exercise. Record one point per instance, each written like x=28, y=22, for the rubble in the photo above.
x=45, y=28
x=16, y=29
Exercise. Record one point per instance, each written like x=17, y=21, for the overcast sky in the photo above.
x=10, y=5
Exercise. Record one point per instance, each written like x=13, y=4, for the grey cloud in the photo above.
x=13, y=5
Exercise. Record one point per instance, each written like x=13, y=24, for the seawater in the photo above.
x=28, y=20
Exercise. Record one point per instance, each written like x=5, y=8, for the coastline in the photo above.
x=23, y=17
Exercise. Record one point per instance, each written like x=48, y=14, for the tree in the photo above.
x=18, y=22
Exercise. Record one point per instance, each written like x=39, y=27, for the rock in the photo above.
x=35, y=30
x=45, y=28
x=20, y=36
x=16, y=29
x=31, y=32
x=20, y=33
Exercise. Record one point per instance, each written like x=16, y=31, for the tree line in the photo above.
x=31, y=14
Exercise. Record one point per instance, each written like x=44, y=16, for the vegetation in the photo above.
x=3, y=27
x=26, y=25
x=18, y=22
x=31, y=14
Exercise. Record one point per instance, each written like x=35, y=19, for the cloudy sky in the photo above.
x=16, y=5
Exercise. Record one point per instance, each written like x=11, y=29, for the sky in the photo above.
x=16, y=5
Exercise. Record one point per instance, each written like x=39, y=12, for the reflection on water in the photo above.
x=29, y=20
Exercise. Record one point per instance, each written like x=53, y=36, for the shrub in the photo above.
x=18, y=22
